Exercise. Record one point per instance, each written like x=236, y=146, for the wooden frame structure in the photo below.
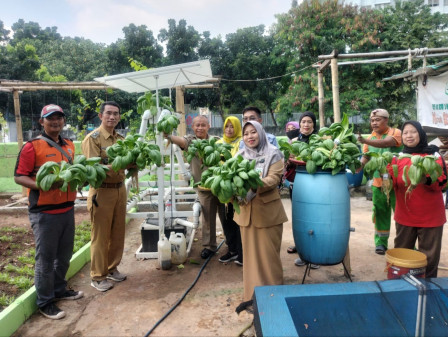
x=373, y=57
x=17, y=87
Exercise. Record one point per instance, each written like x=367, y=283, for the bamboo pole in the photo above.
x=36, y=88
x=335, y=89
x=417, y=51
x=19, y=131
x=320, y=89
x=15, y=94
x=9, y=83
x=199, y=86
x=180, y=108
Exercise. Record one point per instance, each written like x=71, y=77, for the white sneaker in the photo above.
x=299, y=262
x=103, y=285
x=116, y=276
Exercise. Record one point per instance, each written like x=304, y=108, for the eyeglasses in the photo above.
x=251, y=118
x=108, y=113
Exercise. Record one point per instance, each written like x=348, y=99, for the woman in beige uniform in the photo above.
x=262, y=215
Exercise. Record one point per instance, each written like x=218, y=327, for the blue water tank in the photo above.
x=321, y=216
x=354, y=179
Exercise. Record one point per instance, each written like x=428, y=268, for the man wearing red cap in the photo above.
x=51, y=213
x=382, y=139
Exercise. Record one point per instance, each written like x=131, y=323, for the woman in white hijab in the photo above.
x=261, y=215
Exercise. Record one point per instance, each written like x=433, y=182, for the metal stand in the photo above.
x=308, y=269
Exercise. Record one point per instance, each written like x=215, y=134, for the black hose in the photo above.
x=185, y=294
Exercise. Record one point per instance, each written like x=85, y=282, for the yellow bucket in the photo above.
x=402, y=261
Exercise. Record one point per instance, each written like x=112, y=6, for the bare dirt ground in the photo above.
x=134, y=306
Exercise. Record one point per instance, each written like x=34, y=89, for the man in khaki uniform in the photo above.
x=107, y=204
x=208, y=201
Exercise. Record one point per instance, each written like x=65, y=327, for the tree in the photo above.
x=31, y=30
x=4, y=33
x=317, y=28
x=182, y=42
x=314, y=28
x=408, y=25
x=19, y=62
x=139, y=44
x=77, y=59
x=253, y=67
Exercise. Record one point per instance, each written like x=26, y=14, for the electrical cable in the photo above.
x=255, y=80
x=185, y=294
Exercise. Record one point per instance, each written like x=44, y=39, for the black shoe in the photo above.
x=206, y=253
x=52, y=311
x=70, y=295
x=381, y=250
x=239, y=260
x=228, y=257
x=248, y=306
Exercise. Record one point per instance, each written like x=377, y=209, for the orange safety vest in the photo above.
x=53, y=199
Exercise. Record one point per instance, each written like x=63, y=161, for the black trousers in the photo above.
x=230, y=228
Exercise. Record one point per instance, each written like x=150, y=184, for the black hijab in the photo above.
x=422, y=146
x=306, y=138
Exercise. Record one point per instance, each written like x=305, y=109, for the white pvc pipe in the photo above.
x=144, y=123
x=196, y=214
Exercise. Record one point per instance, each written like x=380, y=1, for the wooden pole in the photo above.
x=180, y=108
x=335, y=88
x=320, y=90
x=15, y=94
x=19, y=131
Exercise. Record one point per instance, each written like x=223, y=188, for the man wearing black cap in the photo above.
x=382, y=139
x=51, y=213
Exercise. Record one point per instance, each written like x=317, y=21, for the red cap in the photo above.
x=49, y=109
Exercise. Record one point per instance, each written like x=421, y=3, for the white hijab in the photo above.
x=265, y=153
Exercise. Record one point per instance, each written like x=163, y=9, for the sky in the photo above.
x=102, y=21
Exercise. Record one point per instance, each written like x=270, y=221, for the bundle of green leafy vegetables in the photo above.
x=332, y=148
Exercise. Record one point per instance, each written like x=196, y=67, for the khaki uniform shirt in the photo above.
x=95, y=145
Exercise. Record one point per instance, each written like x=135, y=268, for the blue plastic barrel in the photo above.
x=321, y=216
x=354, y=179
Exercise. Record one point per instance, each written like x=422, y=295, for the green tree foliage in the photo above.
x=249, y=61
x=408, y=25
x=4, y=33
x=31, y=30
x=19, y=62
x=317, y=28
x=181, y=42
x=77, y=59
x=139, y=44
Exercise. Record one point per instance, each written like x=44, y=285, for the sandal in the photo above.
x=292, y=250
x=380, y=250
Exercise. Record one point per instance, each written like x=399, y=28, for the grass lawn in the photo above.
x=9, y=186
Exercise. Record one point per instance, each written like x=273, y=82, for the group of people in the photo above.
x=52, y=214
x=256, y=231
